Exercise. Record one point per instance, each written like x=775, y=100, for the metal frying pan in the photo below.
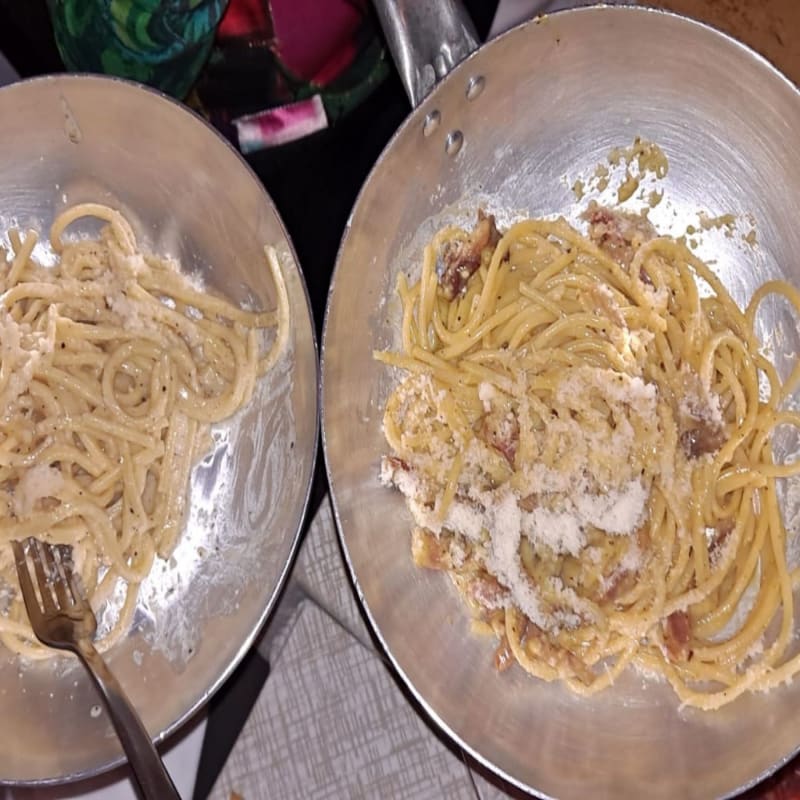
x=69, y=139
x=546, y=101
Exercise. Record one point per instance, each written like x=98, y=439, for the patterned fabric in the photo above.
x=242, y=57
x=164, y=43
x=270, y=54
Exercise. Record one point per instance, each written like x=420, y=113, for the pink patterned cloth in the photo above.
x=279, y=125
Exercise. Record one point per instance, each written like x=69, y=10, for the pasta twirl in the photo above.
x=583, y=435
x=113, y=366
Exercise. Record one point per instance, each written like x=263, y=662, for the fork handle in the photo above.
x=150, y=776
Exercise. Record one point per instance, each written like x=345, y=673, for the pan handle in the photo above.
x=427, y=38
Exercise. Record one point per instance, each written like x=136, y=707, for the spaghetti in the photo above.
x=113, y=368
x=585, y=448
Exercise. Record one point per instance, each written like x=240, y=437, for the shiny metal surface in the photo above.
x=559, y=94
x=426, y=40
x=70, y=139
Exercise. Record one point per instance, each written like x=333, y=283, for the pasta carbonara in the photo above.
x=112, y=368
x=583, y=432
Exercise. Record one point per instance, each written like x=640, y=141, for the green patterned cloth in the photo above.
x=163, y=43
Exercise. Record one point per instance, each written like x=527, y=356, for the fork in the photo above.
x=64, y=620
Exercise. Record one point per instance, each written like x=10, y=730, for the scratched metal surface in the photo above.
x=70, y=139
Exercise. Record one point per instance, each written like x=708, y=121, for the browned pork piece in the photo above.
x=618, y=234
x=677, y=635
x=461, y=259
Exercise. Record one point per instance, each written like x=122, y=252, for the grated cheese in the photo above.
x=620, y=388
x=464, y=519
x=486, y=393
x=561, y=531
x=458, y=553
x=35, y=483
x=22, y=352
x=503, y=558
x=618, y=512
x=587, y=482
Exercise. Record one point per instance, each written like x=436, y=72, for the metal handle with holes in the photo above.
x=151, y=777
x=426, y=39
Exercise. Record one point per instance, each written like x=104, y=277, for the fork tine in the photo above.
x=26, y=584
x=73, y=582
x=58, y=578
x=42, y=579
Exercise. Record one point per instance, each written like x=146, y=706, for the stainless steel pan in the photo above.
x=509, y=128
x=70, y=139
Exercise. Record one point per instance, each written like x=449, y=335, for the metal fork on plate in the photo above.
x=62, y=618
